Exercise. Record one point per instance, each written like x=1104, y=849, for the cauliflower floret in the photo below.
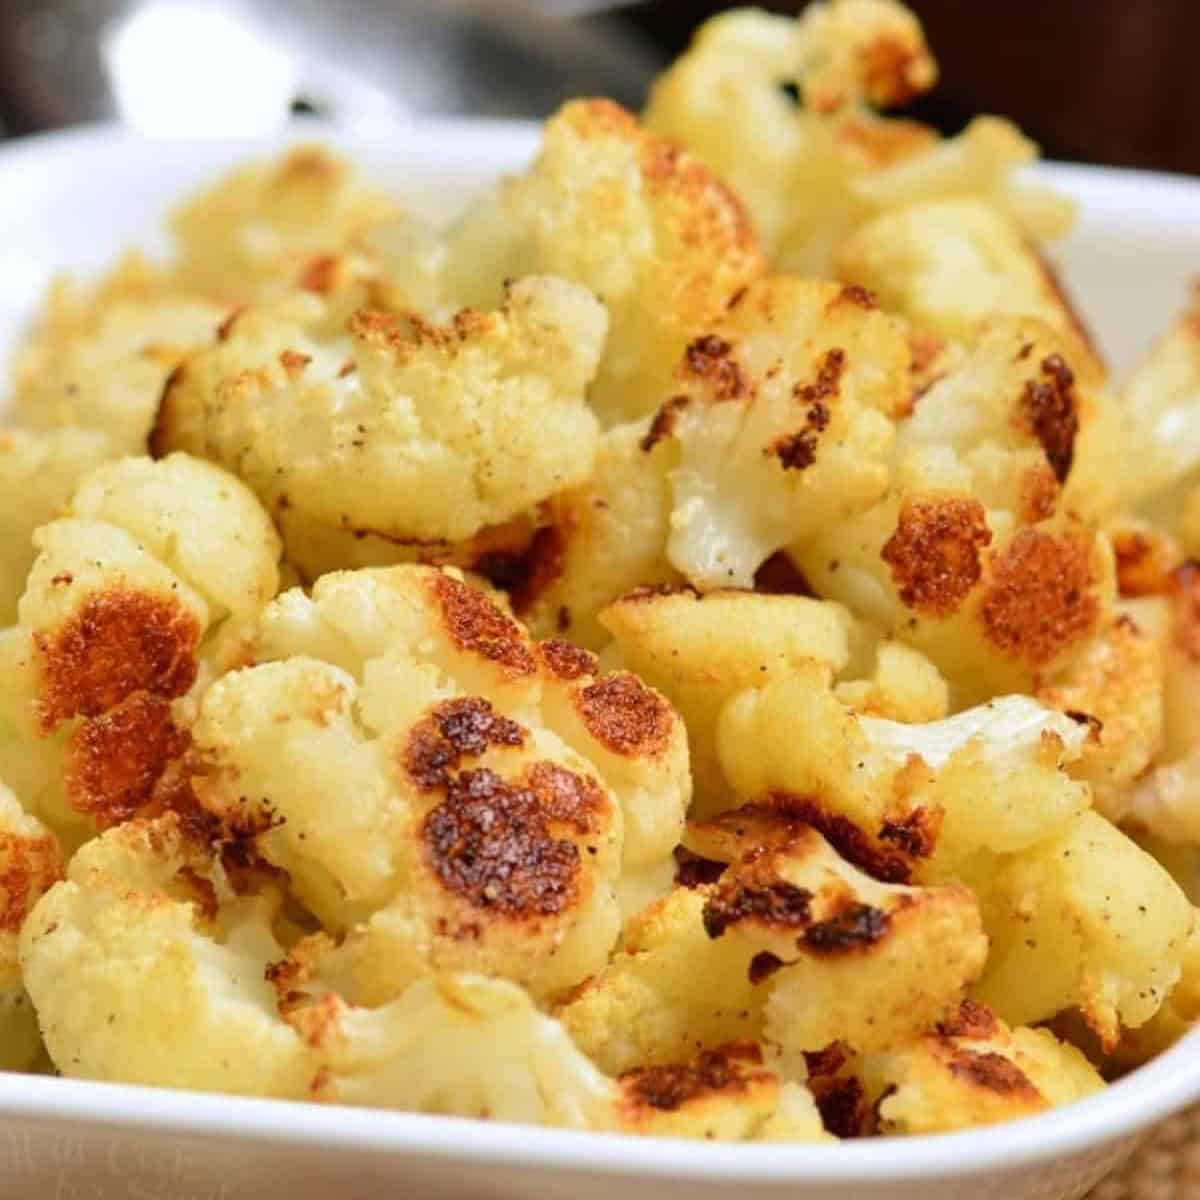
x=1177, y=1016
x=145, y=967
x=702, y=650
x=39, y=472
x=810, y=169
x=970, y=557
x=1160, y=401
x=462, y=1045
x=902, y=799
x=466, y=1045
x=783, y=422
x=946, y=265
x=97, y=357
x=445, y=794
x=972, y=1071
x=627, y=215
x=127, y=594
x=411, y=432
x=601, y=540
x=724, y=1094
x=30, y=863
x=792, y=941
x=1086, y=920
x=1118, y=683
x=262, y=226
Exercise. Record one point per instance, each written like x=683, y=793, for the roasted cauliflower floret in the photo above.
x=724, y=1094
x=463, y=1045
x=126, y=596
x=39, y=472
x=945, y=265
x=903, y=800
x=811, y=169
x=628, y=215
x=601, y=540
x=1086, y=920
x=502, y=793
x=97, y=357
x=266, y=224
x=783, y=421
x=793, y=942
x=145, y=967
x=1161, y=402
x=973, y=1071
x=701, y=650
x=971, y=557
x=30, y=864
x=412, y=432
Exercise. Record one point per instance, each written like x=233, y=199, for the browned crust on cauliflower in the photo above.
x=971, y=1021
x=1040, y=597
x=710, y=360
x=31, y=866
x=564, y=660
x=114, y=761
x=1050, y=411
x=989, y=1071
x=1145, y=563
x=729, y=1070
x=119, y=642
x=492, y=842
x=934, y=553
x=477, y=626
x=456, y=729
x=625, y=715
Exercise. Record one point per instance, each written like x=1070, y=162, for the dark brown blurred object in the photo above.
x=1106, y=81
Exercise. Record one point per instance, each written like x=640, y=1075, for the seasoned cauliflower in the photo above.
x=38, y=475
x=973, y=1070
x=783, y=422
x=411, y=432
x=97, y=357
x=701, y=650
x=445, y=795
x=601, y=540
x=792, y=943
x=813, y=167
x=642, y=224
x=946, y=265
x=268, y=224
x=971, y=557
x=1087, y=920
x=904, y=799
x=145, y=966
x=127, y=595
x=30, y=864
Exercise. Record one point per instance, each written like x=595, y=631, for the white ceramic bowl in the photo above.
x=69, y=201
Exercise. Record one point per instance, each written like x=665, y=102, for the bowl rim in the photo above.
x=1147, y=1095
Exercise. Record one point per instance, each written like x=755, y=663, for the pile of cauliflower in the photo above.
x=681, y=650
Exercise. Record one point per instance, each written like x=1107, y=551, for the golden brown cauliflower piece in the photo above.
x=783, y=421
x=628, y=215
x=792, y=943
x=30, y=864
x=701, y=650
x=445, y=795
x=601, y=540
x=899, y=799
x=973, y=1070
x=811, y=169
x=39, y=472
x=145, y=966
x=97, y=357
x=1087, y=920
x=945, y=265
x=411, y=432
x=971, y=557
x=267, y=225
x=127, y=595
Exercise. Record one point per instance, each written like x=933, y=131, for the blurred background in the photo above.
x=1106, y=81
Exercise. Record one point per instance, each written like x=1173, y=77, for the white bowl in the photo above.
x=68, y=201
